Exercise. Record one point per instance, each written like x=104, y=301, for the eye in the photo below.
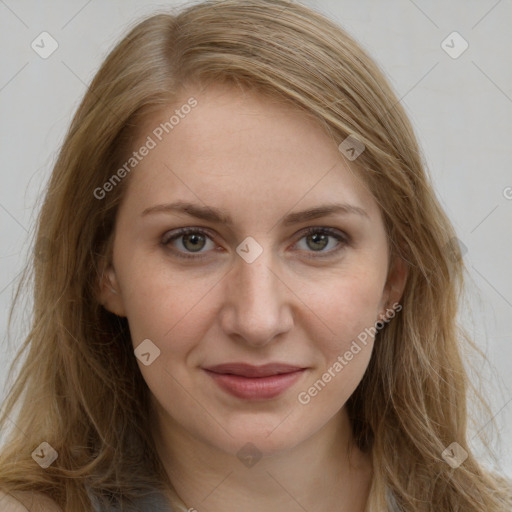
x=191, y=241
x=317, y=239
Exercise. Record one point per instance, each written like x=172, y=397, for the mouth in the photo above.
x=255, y=382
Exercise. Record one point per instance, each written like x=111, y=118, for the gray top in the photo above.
x=391, y=502
x=155, y=502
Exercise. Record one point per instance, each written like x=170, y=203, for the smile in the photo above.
x=255, y=383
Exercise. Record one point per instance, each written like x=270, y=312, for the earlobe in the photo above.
x=395, y=285
x=109, y=295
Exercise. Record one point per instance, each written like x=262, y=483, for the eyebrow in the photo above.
x=212, y=214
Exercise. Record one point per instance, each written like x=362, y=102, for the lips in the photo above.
x=247, y=370
x=255, y=382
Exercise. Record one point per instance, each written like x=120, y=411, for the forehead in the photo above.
x=237, y=148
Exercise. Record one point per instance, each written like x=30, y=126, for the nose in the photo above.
x=257, y=304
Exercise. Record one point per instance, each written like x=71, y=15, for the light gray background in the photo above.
x=460, y=108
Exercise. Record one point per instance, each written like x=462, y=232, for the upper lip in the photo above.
x=248, y=370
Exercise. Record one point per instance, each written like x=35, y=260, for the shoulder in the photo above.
x=27, y=501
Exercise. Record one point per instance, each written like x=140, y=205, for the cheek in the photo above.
x=343, y=342
x=345, y=306
x=161, y=304
x=173, y=312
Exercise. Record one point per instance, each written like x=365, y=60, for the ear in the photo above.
x=109, y=294
x=395, y=284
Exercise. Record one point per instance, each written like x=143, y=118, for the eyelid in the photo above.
x=335, y=232
x=342, y=237
x=177, y=233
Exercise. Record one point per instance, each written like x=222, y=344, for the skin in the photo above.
x=259, y=161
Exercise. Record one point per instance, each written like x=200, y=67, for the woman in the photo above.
x=245, y=287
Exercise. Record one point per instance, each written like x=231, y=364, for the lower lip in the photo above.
x=256, y=388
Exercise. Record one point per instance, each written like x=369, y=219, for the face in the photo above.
x=253, y=281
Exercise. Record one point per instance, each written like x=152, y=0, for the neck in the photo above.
x=325, y=472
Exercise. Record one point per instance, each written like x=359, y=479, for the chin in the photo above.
x=269, y=437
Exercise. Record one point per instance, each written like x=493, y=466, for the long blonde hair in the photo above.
x=79, y=387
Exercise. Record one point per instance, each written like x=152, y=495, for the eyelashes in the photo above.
x=319, y=235
x=185, y=232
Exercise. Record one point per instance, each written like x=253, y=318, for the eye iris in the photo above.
x=193, y=238
x=194, y=242
x=316, y=237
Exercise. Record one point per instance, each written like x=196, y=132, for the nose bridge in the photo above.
x=257, y=298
